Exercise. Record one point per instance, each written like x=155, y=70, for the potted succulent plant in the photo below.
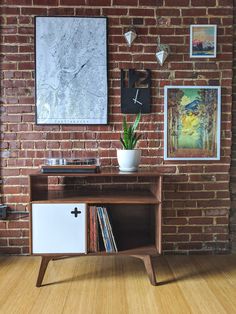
x=129, y=157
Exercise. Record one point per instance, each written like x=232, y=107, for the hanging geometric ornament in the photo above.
x=162, y=52
x=161, y=57
x=130, y=36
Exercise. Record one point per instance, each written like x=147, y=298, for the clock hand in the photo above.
x=136, y=96
x=139, y=102
x=136, y=101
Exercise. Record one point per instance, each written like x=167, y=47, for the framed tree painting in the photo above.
x=71, y=70
x=203, y=41
x=192, y=122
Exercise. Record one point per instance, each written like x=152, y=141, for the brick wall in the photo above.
x=233, y=164
x=196, y=197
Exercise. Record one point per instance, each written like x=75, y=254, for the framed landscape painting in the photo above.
x=71, y=70
x=192, y=117
x=203, y=41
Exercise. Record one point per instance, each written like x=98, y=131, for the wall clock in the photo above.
x=135, y=91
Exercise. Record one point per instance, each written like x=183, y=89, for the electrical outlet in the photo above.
x=3, y=211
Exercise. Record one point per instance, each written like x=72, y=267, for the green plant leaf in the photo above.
x=124, y=124
x=122, y=142
x=130, y=138
x=136, y=140
x=136, y=122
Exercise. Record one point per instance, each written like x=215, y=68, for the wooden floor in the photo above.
x=84, y=285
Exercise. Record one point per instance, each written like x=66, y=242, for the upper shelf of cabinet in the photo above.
x=110, y=186
x=112, y=196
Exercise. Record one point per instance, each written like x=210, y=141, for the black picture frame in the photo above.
x=71, y=70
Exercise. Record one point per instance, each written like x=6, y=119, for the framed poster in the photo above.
x=192, y=122
x=203, y=41
x=71, y=70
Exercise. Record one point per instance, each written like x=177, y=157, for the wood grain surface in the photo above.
x=104, y=285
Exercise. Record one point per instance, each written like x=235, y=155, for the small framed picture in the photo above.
x=192, y=122
x=203, y=41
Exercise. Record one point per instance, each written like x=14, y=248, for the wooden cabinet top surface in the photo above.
x=142, y=172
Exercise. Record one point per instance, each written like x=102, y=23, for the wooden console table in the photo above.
x=133, y=200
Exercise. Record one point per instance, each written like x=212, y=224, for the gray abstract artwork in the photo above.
x=71, y=70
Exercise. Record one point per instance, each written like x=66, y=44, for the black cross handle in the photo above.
x=75, y=212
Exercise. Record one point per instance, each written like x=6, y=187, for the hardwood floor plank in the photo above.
x=225, y=292
x=98, y=286
x=13, y=275
x=226, y=266
x=119, y=285
x=169, y=294
x=23, y=288
x=195, y=289
x=56, y=285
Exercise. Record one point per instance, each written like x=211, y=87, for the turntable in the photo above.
x=78, y=165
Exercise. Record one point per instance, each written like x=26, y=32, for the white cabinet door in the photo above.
x=59, y=228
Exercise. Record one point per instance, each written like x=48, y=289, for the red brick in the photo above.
x=18, y=242
x=189, y=212
x=203, y=3
x=194, y=12
x=201, y=195
x=71, y=2
x=26, y=30
x=168, y=12
x=10, y=250
x=151, y=2
x=114, y=11
x=17, y=2
x=202, y=20
x=175, y=221
x=90, y=11
x=3, y=242
x=3, y=225
x=60, y=11
x=24, y=20
x=176, y=21
x=168, y=229
x=26, y=66
x=220, y=11
x=201, y=221
x=176, y=238
x=11, y=20
x=9, y=11
x=25, y=250
x=9, y=30
x=190, y=246
x=216, y=229
x=125, y=2
x=99, y=2
x=33, y=11
x=201, y=237
x=222, y=237
x=225, y=3
x=222, y=220
x=216, y=212
x=217, y=168
x=190, y=229
x=141, y=12
x=10, y=233
x=177, y=3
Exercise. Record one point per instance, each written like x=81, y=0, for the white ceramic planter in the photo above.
x=128, y=159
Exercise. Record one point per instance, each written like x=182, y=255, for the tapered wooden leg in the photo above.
x=150, y=270
x=149, y=267
x=44, y=264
